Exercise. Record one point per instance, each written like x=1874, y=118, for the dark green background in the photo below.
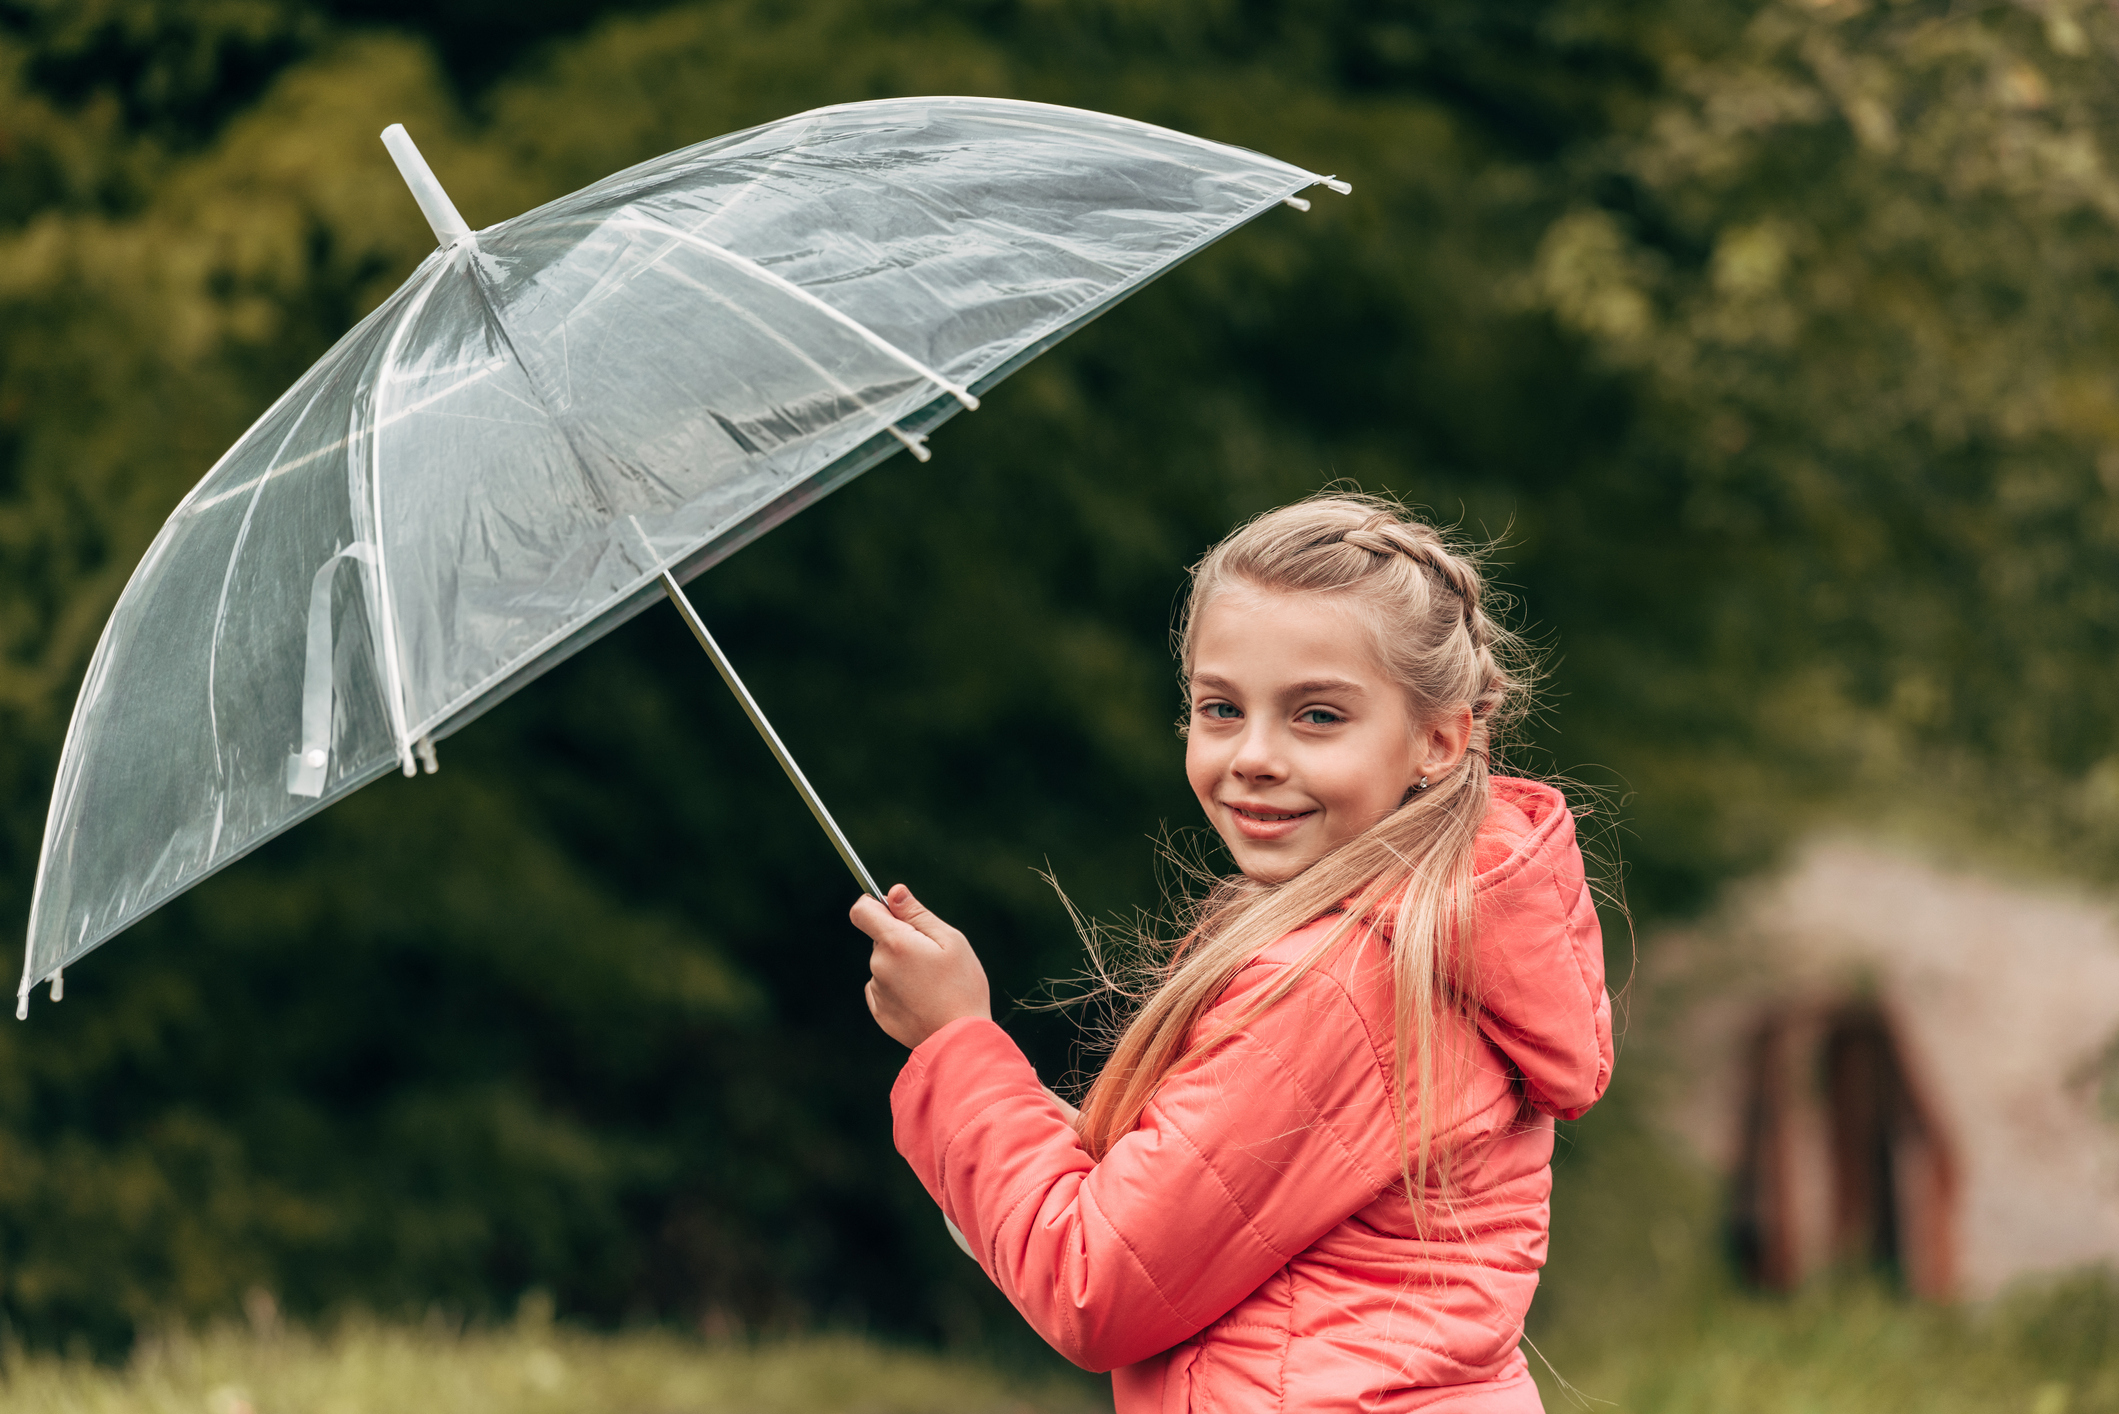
x=1772, y=341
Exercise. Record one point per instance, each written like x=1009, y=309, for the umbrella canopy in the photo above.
x=499, y=464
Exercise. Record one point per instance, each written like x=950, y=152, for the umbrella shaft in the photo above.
x=765, y=729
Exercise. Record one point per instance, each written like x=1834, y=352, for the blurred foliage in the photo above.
x=1767, y=334
x=1860, y=265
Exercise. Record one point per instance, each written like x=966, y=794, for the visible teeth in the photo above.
x=1256, y=816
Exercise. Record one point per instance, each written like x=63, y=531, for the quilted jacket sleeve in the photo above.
x=1242, y=1162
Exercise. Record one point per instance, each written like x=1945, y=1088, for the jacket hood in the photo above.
x=1539, y=967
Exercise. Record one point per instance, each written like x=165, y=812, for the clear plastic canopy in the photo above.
x=492, y=469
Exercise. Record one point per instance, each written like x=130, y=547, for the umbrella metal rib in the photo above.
x=787, y=287
x=772, y=738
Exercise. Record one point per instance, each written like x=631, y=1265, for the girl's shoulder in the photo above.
x=1316, y=1009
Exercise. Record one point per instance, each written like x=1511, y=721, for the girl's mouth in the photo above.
x=1257, y=823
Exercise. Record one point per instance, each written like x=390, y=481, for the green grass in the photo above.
x=1849, y=1350
x=1845, y=1350
x=532, y=1367
x=1697, y=1349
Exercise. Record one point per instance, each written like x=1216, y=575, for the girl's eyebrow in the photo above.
x=1329, y=686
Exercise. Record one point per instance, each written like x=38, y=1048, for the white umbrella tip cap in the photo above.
x=434, y=203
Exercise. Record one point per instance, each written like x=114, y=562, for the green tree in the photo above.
x=1858, y=264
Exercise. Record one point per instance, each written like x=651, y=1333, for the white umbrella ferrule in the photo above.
x=1302, y=203
x=58, y=993
x=914, y=444
x=434, y=203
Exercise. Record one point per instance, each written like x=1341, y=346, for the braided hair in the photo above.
x=1413, y=587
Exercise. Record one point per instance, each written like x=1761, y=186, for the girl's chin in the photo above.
x=1270, y=866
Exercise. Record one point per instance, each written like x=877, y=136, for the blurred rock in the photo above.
x=1905, y=1065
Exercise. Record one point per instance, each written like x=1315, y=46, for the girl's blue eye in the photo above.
x=1221, y=711
x=1318, y=717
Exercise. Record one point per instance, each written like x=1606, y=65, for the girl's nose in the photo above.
x=1258, y=757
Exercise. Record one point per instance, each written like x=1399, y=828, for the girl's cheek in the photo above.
x=1195, y=763
x=1202, y=765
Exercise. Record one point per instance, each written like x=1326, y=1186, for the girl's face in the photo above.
x=1299, y=741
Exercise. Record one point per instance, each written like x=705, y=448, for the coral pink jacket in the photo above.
x=1251, y=1246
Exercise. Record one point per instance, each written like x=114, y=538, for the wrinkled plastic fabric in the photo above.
x=492, y=469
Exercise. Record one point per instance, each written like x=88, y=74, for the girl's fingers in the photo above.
x=904, y=906
x=868, y=915
x=863, y=915
x=922, y=972
x=910, y=910
x=877, y=922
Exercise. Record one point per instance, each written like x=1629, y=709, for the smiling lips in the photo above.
x=1258, y=822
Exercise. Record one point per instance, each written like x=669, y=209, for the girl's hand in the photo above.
x=922, y=972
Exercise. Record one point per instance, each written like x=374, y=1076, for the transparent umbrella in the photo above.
x=560, y=418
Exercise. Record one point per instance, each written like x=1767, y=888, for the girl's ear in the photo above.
x=1444, y=742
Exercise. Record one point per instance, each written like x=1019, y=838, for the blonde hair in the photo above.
x=1423, y=600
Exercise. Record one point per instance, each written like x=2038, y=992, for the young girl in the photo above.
x=1313, y=1173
